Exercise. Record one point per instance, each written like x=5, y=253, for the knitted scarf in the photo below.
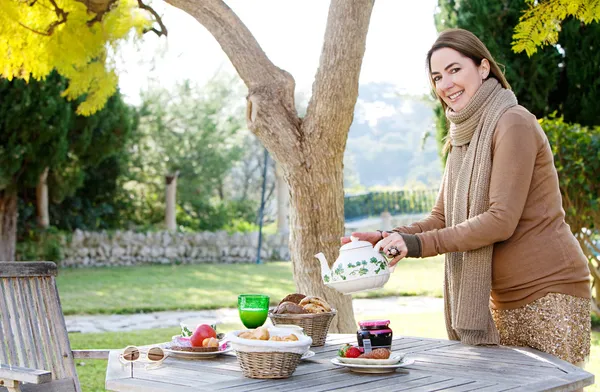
x=468, y=275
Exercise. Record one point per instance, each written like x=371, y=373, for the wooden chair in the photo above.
x=35, y=353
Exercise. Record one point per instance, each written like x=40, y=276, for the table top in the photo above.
x=440, y=365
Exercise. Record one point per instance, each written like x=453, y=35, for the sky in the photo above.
x=291, y=34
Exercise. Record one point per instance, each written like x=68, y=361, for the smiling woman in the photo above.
x=458, y=82
x=511, y=260
x=458, y=64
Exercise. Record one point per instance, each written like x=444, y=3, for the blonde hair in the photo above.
x=467, y=44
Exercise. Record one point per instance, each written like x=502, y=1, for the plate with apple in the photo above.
x=203, y=343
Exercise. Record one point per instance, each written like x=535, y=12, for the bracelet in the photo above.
x=380, y=232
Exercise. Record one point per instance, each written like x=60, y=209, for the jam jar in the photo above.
x=374, y=333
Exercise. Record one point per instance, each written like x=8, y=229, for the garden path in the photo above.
x=130, y=322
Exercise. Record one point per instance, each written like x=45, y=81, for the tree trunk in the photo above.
x=283, y=200
x=8, y=225
x=315, y=226
x=171, y=201
x=41, y=192
x=310, y=151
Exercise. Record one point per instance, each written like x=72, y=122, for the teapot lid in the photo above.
x=355, y=243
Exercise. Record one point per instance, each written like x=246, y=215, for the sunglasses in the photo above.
x=154, y=356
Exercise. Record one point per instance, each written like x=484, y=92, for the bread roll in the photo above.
x=295, y=298
x=378, y=353
x=289, y=307
x=245, y=335
x=319, y=302
x=261, y=333
x=210, y=342
x=312, y=308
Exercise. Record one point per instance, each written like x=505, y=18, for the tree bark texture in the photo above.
x=41, y=193
x=309, y=151
x=8, y=225
x=171, y=201
x=283, y=201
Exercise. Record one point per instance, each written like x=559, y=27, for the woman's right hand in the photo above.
x=372, y=236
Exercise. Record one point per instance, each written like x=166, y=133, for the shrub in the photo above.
x=40, y=244
x=576, y=152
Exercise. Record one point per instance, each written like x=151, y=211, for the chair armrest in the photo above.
x=21, y=374
x=90, y=354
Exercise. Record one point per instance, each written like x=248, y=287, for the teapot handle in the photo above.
x=385, y=257
x=388, y=259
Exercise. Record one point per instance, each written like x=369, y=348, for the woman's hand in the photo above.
x=372, y=236
x=393, y=245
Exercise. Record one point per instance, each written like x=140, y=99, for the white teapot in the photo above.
x=359, y=267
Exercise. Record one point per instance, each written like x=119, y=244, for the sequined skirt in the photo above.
x=557, y=324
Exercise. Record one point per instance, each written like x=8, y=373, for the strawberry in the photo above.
x=348, y=351
x=342, y=351
x=352, y=352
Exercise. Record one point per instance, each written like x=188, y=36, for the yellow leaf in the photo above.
x=74, y=48
x=540, y=24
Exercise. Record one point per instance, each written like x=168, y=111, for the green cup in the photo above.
x=253, y=309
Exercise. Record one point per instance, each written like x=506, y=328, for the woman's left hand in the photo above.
x=393, y=245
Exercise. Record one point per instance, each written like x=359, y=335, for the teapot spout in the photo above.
x=325, y=270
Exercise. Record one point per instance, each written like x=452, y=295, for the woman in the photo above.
x=498, y=217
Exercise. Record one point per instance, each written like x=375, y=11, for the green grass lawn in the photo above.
x=209, y=286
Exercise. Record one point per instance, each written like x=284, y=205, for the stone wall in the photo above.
x=130, y=248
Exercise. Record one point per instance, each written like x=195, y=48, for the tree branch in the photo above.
x=235, y=39
x=157, y=19
x=62, y=18
x=33, y=30
x=270, y=89
x=336, y=81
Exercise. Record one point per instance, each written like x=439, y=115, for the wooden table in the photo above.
x=440, y=365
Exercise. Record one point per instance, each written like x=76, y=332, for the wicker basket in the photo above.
x=268, y=364
x=315, y=325
x=269, y=358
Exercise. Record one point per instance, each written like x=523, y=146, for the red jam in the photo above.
x=374, y=333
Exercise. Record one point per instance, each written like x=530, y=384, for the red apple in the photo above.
x=202, y=332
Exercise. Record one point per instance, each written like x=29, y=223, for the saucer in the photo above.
x=392, y=360
x=372, y=368
x=195, y=355
x=308, y=354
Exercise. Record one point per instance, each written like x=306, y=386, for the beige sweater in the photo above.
x=535, y=252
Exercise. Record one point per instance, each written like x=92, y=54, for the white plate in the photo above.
x=392, y=360
x=308, y=354
x=373, y=368
x=194, y=355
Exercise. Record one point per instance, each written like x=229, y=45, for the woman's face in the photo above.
x=456, y=77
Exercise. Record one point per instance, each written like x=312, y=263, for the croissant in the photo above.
x=261, y=333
